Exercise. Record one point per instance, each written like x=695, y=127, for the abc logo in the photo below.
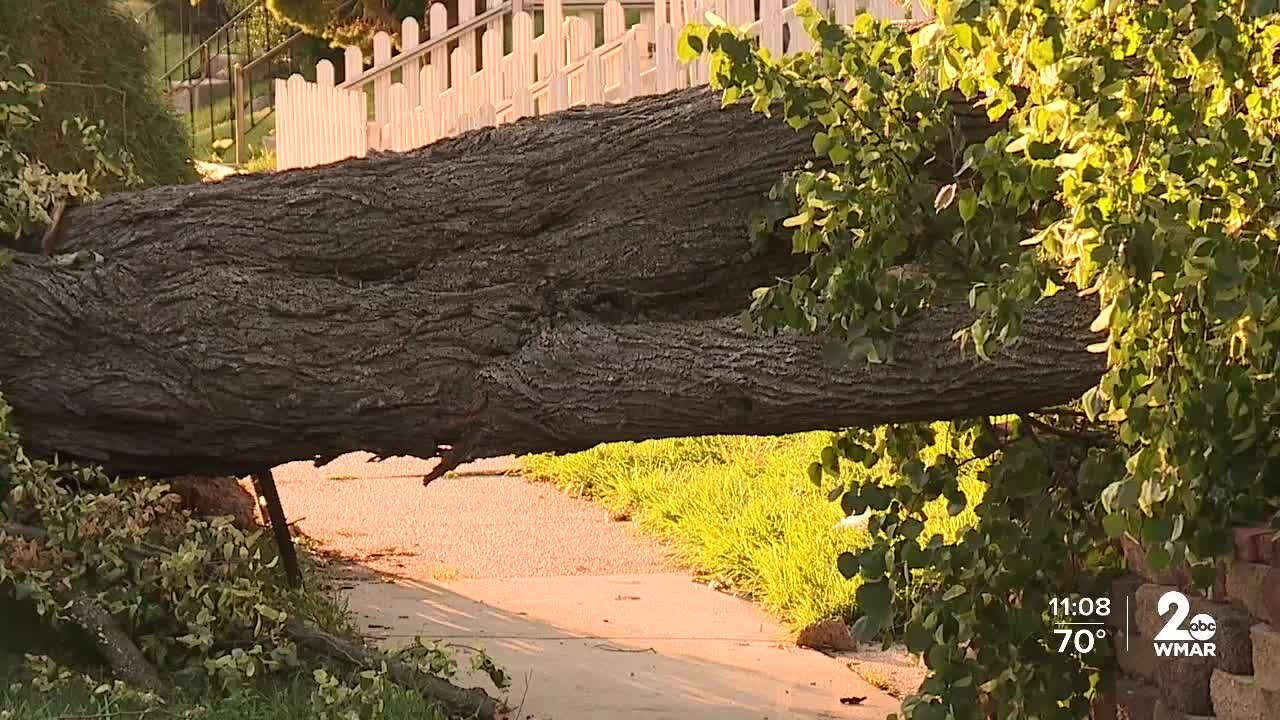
x=1181, y=637
x=1202, y=627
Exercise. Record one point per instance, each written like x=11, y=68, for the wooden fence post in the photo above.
x=409, y=37
x=444, y=92
x=238, y=112
x=553, y=35
x=284, y=122
x=382, y=82
x=592, y=80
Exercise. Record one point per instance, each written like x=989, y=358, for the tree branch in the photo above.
x=459, y=702
x=117, y=648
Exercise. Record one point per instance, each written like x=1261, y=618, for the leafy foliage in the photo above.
x=92, y=63
x=201, y=598
x=1130, y=158
x=350, y=22
x=28, y=188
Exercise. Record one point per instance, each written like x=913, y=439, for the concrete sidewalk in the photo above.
x=588, y=618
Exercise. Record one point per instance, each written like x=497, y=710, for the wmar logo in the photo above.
x=1175, y=640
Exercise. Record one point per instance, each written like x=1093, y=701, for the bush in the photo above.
x=200, y=598
x=335, y=21
x=93, y=60
x=1130, y=160
x=29, y=189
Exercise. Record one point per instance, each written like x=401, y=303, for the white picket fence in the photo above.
x=459, y=77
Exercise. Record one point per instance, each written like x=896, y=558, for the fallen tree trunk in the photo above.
x=542, y=286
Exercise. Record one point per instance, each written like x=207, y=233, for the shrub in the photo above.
x=92, y=60
x=29, y=189
x=1131, y=162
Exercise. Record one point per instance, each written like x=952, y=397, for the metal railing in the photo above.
x=221, y=77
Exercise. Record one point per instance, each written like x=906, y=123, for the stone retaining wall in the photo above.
x=1242, y=681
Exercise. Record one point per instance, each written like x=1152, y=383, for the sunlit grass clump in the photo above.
x=741, y=510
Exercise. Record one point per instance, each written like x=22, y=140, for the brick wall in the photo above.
x=1243, y=681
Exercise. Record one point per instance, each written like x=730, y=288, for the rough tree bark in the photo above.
x=119, y=650
x=547, y=285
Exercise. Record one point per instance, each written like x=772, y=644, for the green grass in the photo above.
x=741, y=510
x=264, y=161
x=215, y=113
x=206, y=135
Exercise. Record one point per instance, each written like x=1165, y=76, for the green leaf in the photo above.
x=866, y=628
x=914, y=556
x=876, y=496
x=1042, y=54
x=1103, y=320
x=690, y=46
x=929, y=711
x=815, y=473
x=1204, y=576
x=831, y=460
x=852, y=503
x=1159, y=559
x=875, y=599
x=1156, y=530
x=968, y=205
x=1069, y=160
x=873, y=565
x=1018, y=145
x=847, y=564
x=1120, y=495
x=797, y=220
x=1113, y=524
x=917, y=638
x=821, y=143
x=910, y=528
